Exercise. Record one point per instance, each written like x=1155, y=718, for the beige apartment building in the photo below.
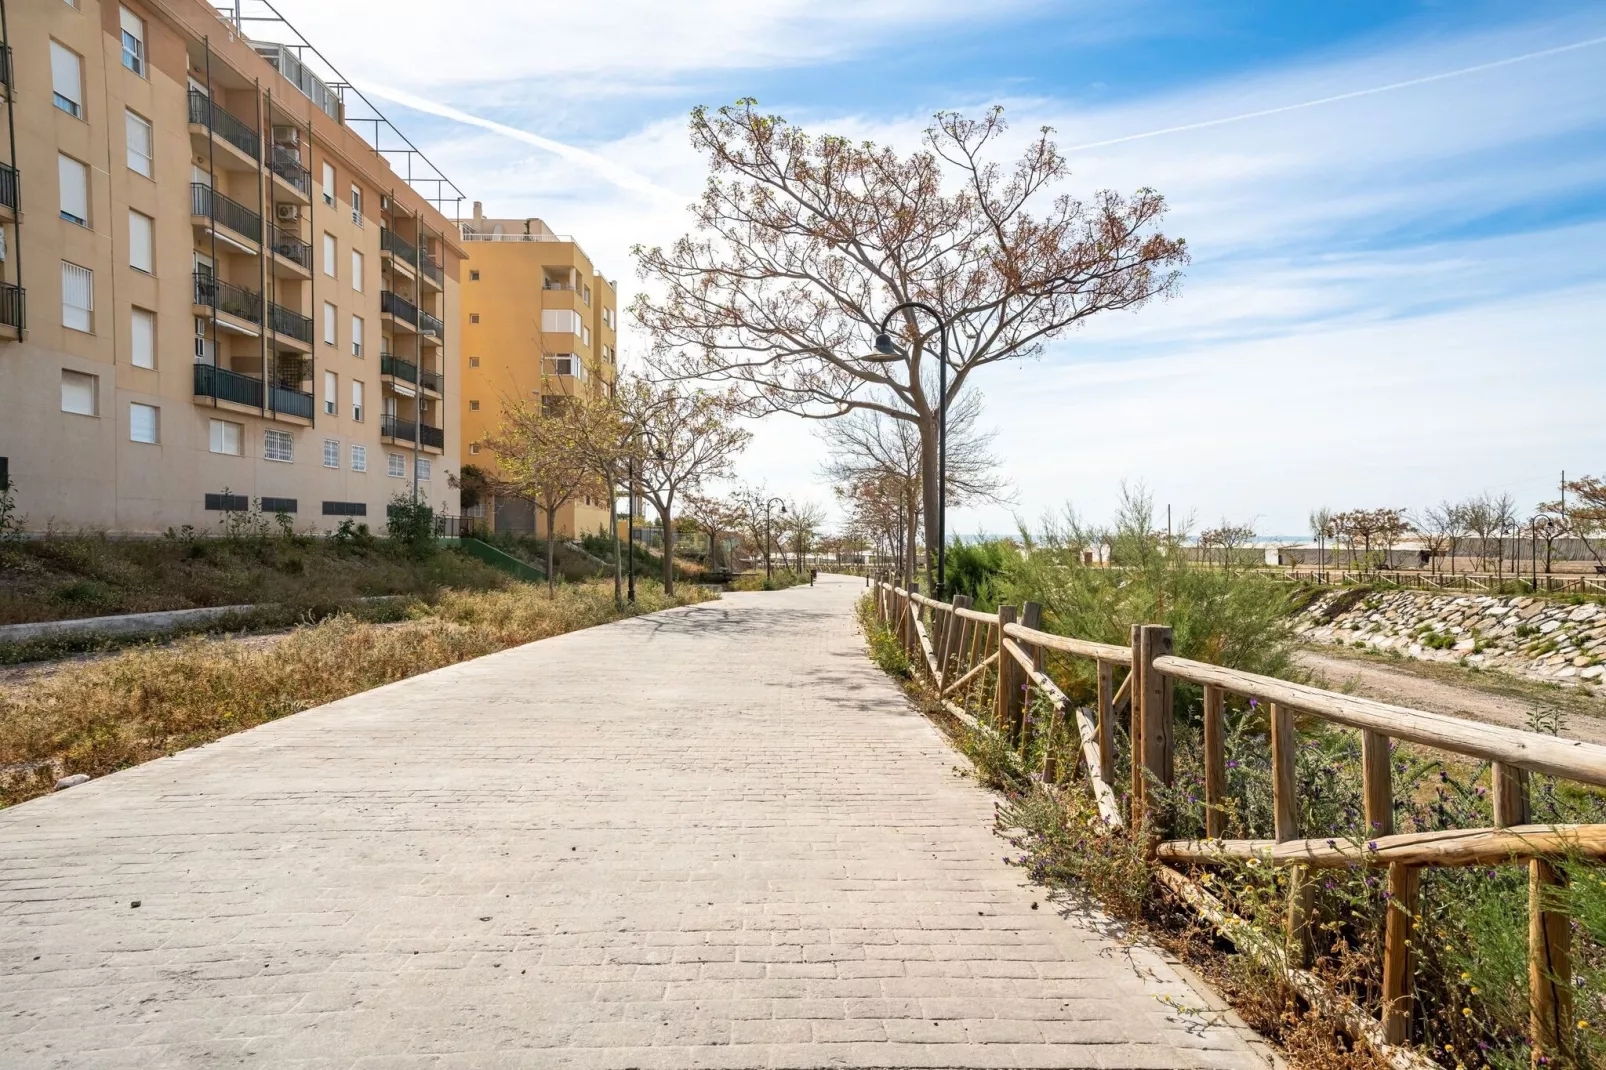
x=538, y=320
x=216, y=293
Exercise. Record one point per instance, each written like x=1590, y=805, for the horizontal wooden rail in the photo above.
x=976, y=615
x=1120, y=655
x=990, y=659
x=1568, y=758
x=1454, y=847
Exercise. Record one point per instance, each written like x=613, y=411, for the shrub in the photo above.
x=885, y=649
x=974, y=569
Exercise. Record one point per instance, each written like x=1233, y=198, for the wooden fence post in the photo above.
x=1510, y=790
x=1285, y=804
x=955, y=626
x=911, y=634
x=1377, y=784
x=1134, y=732
x=1404, y=892
x=1215, y=761
x=1003, y=710
x=1550, y=988
x=1020, y=732
x=1106, y=724
x=1155, y=642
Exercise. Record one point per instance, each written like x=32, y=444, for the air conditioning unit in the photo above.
x=288, y=137
x=287, y=213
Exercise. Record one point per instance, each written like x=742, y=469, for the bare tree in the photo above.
x=803, y=523
x=1440, y=528
x=1321, y=526
x=539, y=459
x=1585, y=515
x=802, y=244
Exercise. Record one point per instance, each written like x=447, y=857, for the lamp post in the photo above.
x=630, y=507
x=769, y=569
x=885, y=346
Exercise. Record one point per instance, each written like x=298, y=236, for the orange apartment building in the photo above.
x=537, y=319
x=215, y=293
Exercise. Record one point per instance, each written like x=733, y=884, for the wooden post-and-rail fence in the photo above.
x=994, y=662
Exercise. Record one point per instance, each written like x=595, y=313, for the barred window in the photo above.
x=278, y=446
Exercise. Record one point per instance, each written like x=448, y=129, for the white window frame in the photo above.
x=278, y=446
x=328, y=183
x=133, y=28
x=359, y=458
x=396, y=465
x=331, y=250
x=67, y=66
x=142, y=337
x=357, y=400
x=331, y=393
x=137, y=414
x=356, y=270
x=356, y=336
x=331, y=453
x=356, y=204
x=76, y=279
x=137, y=128
x=79, y=381
x=423, y=469
x=141, y=242
x=218, y=438
x=331, y=324
x=72, y=175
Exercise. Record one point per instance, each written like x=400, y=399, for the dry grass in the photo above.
x=154, y=701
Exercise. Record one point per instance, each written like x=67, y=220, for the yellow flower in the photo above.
x=1475, y=990
x=1466, y=976
x=1583, y=1023
x=1467, y=1011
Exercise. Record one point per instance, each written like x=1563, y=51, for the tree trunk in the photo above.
x=930, y=498
x=669, y=551
x=551, y=535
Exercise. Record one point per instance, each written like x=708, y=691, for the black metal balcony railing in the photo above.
x=290, y=247
x=284, y=163
x=230, y=128
x=220, y=383
x=10, y=193
x=397, y=428
x=429, y=323
x=430, y=381
x=432, y=436
x=391, y=243
x=227, y=297
x=13, y=306
x=290, y=402
x=5, y=67
x=284, y=321
x=209, y=203
x=398, y=306
x=432, y=270
x=396, y=366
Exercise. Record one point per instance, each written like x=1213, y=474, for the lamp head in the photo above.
x=884, y=346
x=783, y=509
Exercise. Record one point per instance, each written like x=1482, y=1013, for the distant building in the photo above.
x=214, y=291
x=538, y=320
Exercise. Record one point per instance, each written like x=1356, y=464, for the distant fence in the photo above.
x=995, y=661
x=1482, y=582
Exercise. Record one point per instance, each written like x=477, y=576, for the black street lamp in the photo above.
x=884, y=345
x=769, y=570
x=630, y=507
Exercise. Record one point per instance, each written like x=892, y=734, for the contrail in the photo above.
x=619, y=176
x=1346, y=96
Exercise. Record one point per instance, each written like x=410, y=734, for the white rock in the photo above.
x=72, y=781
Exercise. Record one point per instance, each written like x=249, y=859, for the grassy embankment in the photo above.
x=1471, y=972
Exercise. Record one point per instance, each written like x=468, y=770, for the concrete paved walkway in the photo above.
x=715, y=837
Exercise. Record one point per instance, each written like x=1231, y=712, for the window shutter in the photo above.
x=142, y=423
x=66, y=76
x=74, y=188
x=78, y=393
x=139, y=145
x=141, y=241
x=77, y=296
x=142, y=350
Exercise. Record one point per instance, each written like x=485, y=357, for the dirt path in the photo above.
x=1443, y=689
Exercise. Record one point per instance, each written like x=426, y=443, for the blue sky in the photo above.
x=1395, y=297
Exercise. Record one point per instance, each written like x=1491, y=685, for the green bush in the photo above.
x=974, y=569
x=885, y=649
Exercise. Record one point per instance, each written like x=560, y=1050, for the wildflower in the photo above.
x=1465, y=976
x=1466, y=1012
x=1583, y=1023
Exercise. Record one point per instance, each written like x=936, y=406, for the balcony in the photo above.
x=397, y=428
x=432, y=437
x=13, y=307
x=290, y=402
x=398, y=247
x=395, y=305
x=290, y=247
x=431, y=326
x=431, y=381
x=10, y=190
x=290, y=324
x=224, y=385
x=207, y=203
x=228, y=298
x=231, y=128
x=432, y=271
x=398, y=368
x=287, y=165
x=5, y=68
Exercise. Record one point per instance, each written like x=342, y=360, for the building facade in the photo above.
x=218, y=296
x=538, y=320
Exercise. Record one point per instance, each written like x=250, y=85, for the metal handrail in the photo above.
x=389, y=242
x=219, y=207
x=286, y=321
x=426, y=322
x=432, y=436
x=13, y=305
x=10, y=188
x=227, y=297
x=289, y=401
x=395, y=427
x=225, y=385
x=290, y=247
x=398, y=306
x=431, y=381
x=397, y=367
x=229, y=127
x=431, y=269
x=288, y=167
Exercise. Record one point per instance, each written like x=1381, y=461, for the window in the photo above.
x=277, y=505
x=359, y=458
x=356, y=271
x=421, y=468
x=331, y=453
x=77, y=297
x=67, y=79
x=143, y=423
x=228, y=503
x=356, y=400
x=345, y=508
x=473, y=317
x=356, y=205
x=328, y=183
x=473, y=276
x=278, y=446
x=142, y=338
x=473, y=362
x=79, y=393
x=585, y=335
x=228, y=437
x=331, y=391
x=473, y=447
x=329, y=255
x=560, y=321
x=133, y=41
x=74, y=190
x=328, y=324
x=585, y=292
x=474, y=406
x=141, y=242
x=141, y=150
x=395, y=464
x=356, y=336
x=205, y=351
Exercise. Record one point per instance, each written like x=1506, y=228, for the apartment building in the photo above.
x=538, y=320
x=216, y=293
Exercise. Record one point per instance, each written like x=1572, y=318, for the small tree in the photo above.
x=1321, y=526
x=1585, y=514
x=539, y=459
x=803, y=523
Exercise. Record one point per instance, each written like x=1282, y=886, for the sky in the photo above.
x=1396, y=213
